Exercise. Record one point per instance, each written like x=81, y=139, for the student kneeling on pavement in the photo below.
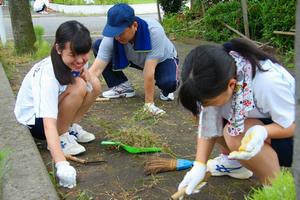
x=56, y=93
x=241, y=85
x=141, y=44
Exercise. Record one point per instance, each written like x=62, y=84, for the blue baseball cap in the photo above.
x=119, y=17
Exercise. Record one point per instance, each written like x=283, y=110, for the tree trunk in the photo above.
x=296, y=159
x=158, y=12
x=245, y=17
x=22, y=26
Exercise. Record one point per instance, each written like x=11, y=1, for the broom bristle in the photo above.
x=156, y=165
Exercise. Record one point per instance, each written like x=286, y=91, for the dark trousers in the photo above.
x=166, y=73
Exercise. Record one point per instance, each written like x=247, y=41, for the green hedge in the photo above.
x=265, y=16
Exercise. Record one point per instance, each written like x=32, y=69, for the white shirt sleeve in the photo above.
x=45, y=96
x=274, y=94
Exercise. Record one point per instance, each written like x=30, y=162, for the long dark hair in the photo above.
x=80, y=43
x=208, y=68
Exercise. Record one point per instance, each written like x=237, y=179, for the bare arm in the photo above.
x=149, y=70
x=97, y=67
x=204, y=148
x=53, y=140
x=277, y=131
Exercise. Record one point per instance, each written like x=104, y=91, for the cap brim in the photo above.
x=111, y=31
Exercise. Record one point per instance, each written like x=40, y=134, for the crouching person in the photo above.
x=56, y=93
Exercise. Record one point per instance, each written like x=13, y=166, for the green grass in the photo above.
x=102, y=2
x=282, y=187
x=10, y=59
x=3, y=160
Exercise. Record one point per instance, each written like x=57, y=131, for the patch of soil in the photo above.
x=122, y=177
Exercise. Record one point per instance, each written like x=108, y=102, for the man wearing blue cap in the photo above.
x=142, y=44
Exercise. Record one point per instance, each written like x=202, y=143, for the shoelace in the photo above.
x=121, y=87
x=71, y=139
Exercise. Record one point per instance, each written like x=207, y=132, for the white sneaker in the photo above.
x=69, y=145
x=170, y=96
x=80, y=134
x=221, y=166
x=123, y=90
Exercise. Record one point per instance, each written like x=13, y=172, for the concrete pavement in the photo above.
x=26, y=177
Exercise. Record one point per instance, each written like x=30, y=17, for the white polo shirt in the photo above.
x=38, y=95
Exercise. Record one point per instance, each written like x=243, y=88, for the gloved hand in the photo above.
x=66, y=174
x=252, y=143
x=193, y=178
x=150, y=107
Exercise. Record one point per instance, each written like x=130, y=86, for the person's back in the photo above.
x=40, y=5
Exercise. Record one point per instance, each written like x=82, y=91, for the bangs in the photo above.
x=81, y=43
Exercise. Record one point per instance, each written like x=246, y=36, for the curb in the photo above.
x=26, y=177
x=102, y=9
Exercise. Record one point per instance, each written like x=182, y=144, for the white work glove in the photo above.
x=252, y=143
x=150, y=107
x=193, y=178
x=66, y=174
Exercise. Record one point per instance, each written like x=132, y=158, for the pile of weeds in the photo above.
x=137, y=132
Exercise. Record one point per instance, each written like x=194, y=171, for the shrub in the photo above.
x=171, y=6
x=223, y=12
x=278, y=15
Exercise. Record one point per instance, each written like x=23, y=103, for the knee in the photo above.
x=78, y=90
x=232, y=142
x=95, y=46
x=167, y=85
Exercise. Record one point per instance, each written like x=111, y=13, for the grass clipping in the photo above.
x=136, y=136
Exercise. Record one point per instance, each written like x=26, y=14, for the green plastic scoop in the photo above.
x=131, y=149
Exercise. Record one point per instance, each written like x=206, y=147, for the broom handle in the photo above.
x=181, y=192
x=75, y=159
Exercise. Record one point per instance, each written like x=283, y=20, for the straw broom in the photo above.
x=156, y=165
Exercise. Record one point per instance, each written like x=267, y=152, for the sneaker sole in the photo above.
x=124, y=95
x=168, y=99
x=237, y=176
x=74, y=154
x=85, y=141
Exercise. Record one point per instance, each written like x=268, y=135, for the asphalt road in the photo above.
x=50, y=22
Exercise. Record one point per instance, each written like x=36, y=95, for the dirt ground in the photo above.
x=122, y=177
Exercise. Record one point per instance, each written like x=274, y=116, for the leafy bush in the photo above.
x=223, y=12
x=180, y=26
x=278, y=15
x=282, y=187
x=171, y=6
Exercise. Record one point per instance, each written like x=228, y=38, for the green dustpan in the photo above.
x=131, y=149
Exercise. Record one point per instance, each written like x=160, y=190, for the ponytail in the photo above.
x=250, y=52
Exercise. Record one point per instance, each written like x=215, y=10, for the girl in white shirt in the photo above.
x=56, y=93
x=238, y=84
